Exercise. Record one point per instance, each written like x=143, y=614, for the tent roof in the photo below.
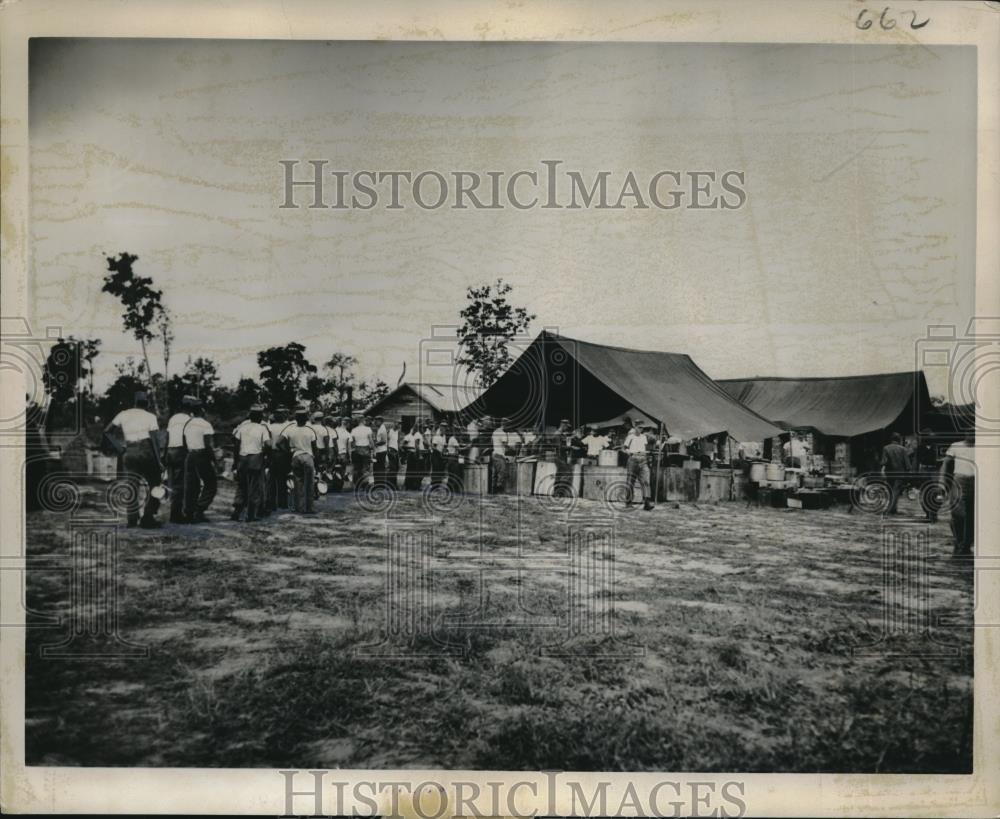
x=448, y=398
x=667, y=387
x=844, y=406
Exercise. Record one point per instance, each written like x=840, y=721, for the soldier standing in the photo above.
x=176, y=455
x=200, y=483
x=141, y=459
x=253, y=444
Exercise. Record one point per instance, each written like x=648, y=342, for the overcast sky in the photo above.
x=858, y=230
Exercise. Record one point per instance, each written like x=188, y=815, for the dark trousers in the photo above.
x=200, y=483
x=414, y=470
x=638, y=471
x=928, y=478
x=453, y=470
x=277, y=481
x=381, y=467
x=392, y=465
x=895, y=490
x=963, y=516
x=304, y=473
x=250, y=486
x=438, y=474
x=139, y=463
x=498, y=470
x=176, y=455
x=361, y=460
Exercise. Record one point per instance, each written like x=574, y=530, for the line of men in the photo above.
x=295, y=443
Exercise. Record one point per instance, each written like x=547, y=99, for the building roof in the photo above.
x=448, y=398
x=560, y=377
x=842, y=406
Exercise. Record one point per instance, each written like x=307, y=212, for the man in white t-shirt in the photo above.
x=300, y=439
x=638, y=444
x=498, y=459
x=253, y=443
x=381, y=451
x=960, y=464
x=176, y=456
x=200, y=483
x=344, y=443
x=317, y=426
x=595, y=443
x=141, y=460
x=362, y=439
x=280, y=465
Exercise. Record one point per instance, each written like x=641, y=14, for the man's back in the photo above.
x=895, y=458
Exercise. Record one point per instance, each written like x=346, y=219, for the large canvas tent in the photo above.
x=559, y=377
x=837, y=407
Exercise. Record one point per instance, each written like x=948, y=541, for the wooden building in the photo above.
x=413, y=400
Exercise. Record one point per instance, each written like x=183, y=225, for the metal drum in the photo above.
x=758, y=472
x=607, y=457
x=775, y=472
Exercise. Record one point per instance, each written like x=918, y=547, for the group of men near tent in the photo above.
x=295, y=442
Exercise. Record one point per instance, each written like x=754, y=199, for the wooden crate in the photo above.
x=715, y=485
x=546, y=477
x=510, y=488
x=677, y=484
x=598, y=481
x=477, y=479
x=525, y=478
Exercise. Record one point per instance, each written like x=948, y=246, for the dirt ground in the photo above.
x=731, y=638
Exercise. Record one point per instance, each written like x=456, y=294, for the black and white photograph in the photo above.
x=504, y=406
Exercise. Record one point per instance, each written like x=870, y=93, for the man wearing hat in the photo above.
x=200, y=483
x=300, y=440
x=253, y=446
x=141, y=459
x=498, y=460
x=280, y=464
x=637, y=445
x=176, y=455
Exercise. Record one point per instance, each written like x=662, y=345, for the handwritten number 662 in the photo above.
x=886, y=21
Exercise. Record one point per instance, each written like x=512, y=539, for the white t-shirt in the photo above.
x=500, y=440
x=320, y=432
x=136, y=424
x=439, y=442
x=175, y=429
x=393, y=438
x=595, y=443
x=253, y=438
x=382, y=439
x=195, y=431
x=453, y=445
x=343, y=440
x=362, y=435
x=635, y=444
x=965, y=458
x=300, y=439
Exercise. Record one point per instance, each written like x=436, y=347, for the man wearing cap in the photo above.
x=344, y=443
x=300, y=440
x=637, y=445
x=176, y=456
x=253, y=445
x=141, y=459
x=280, y=462
x=498, y=460
x=595, y=444
x=318, y=427
x=381, y=451
x=392, y=463
x=200, y=483
x=362, y=439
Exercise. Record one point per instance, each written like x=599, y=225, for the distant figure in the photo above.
x=960, y=464
x=141, y=459
x=637, y=446
x=895, y=467
x=381, y=470
x=200, y=482
x=796, y=451
x=281, y=461
x=595, y=443
x=362, y=439
x=498, y=460
x=925, y=459
x=253, y=445
x=176, y=456
x=300, y=440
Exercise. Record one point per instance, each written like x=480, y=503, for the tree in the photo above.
x=141, y=304
x=342, y=379
x=63, y=370
x=91, y=349
x=371, y=392
x=315, y=388
x=200, y=377
x=283, y=371
x=489, y=324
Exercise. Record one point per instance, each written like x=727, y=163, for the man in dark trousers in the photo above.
x=895, y=467
x=200, y=482
x=300, y=439
x=927, y=471
x=176, y=455
x=281, y=462
x=253, y=446
x=141, y=459
x=960, y=465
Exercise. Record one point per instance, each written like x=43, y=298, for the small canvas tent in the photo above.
x=558, y=377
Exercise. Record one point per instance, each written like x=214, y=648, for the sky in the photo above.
x=857, y=233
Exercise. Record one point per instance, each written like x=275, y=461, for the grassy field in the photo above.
x=740, y=626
